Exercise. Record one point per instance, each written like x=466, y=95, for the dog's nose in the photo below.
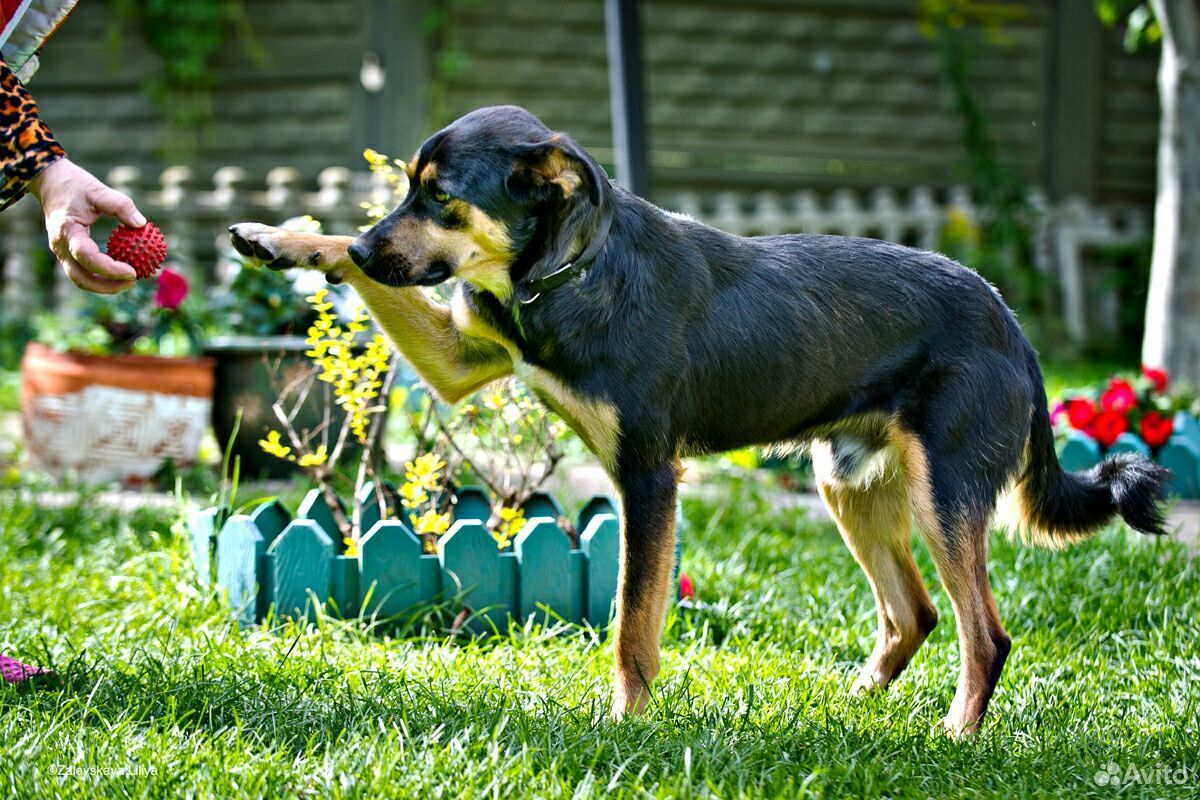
x=360, y=254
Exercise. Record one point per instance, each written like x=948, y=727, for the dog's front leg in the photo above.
x=647, y=553
x=451, y=362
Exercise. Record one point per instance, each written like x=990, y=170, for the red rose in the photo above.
x=687, y=589
x=1107, y=426
x=1119, y=396
x=1080, y=412
x=1158, y=377
x=172, y=289
x=1156, y=429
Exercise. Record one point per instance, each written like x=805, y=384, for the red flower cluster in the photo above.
x=1120, y=407
x=172, y=289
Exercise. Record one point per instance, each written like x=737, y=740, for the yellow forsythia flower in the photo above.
x=512, y=520
x=431, y=522
x=274, y=446
x=412, y=495
x=315, y=459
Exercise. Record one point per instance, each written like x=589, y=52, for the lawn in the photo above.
x=163, y=696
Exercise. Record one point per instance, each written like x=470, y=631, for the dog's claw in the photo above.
x=240, y=244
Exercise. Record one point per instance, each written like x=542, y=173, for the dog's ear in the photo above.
x=557, y=168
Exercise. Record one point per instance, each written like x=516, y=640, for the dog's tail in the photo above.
x=1057, y=507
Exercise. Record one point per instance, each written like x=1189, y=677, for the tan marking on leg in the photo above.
x=916, y=469
x=874, y=521
x=637, y=632
x=983, y=642
x=596, y=421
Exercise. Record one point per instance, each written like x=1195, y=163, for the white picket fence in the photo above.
x=194, y=219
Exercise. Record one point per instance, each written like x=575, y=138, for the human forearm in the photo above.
x=26, y=144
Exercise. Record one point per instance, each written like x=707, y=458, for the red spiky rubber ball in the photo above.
x=143, y=248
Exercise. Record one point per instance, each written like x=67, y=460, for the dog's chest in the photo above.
x=595, y=420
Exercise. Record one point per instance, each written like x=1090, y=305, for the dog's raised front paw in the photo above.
x=262, y=244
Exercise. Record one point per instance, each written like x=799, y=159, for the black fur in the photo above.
x=1072, y=505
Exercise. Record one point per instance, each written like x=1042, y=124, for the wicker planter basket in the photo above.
x=112, y=418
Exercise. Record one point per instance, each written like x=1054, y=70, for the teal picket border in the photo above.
x=1180, y=454
x=202, y=525
x=546, y=591
x=343, y=588
x=271, y=518
x=1188, y=427
x=1182, y=457
x=268, y=561
x=478, y=576
x=472, y=502
x=1079, y=453
x=240, y=548
x=314, y=507
x=1130, y=443
x=543, y=504
x=600, y=504
x=302, y=569
x=374, y=508
x=395, y=575
x=601, y=544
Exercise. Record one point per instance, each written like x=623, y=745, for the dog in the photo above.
x=656, y=337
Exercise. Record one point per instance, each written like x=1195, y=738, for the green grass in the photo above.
x=753, y=700
x=10, y=391
x=1080, y=373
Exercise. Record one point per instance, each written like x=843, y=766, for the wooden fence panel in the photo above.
x=262, y=559
x=600, y=504
x=314, y=508
x=1130, y=443
x=472, y=503
x=343, y=589
x=476, y=572
x=547, y=587
x=373, y=508
x=202, y=525
x=1079, y=453
x=543, y=504
x=1188, y=427
x=240, y=549
x=302, y=568
x=1183, y=459
x=601, y=545
x=271, y=518
x=395, y=573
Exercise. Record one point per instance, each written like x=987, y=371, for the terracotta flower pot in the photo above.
x=104, y=418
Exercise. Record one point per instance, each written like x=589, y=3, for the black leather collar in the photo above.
x=529, y=291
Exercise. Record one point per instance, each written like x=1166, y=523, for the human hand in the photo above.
x=72, y=199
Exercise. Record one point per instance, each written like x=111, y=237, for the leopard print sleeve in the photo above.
x=26, y=145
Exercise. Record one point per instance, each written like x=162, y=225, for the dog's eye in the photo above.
x=438, y=195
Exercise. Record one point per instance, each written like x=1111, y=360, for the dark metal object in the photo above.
x=627, y=95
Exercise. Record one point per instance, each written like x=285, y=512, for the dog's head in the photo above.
x=491, y=197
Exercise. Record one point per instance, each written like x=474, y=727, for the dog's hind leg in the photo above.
x=875, y=523
x=647, y=554
x=954, y=522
